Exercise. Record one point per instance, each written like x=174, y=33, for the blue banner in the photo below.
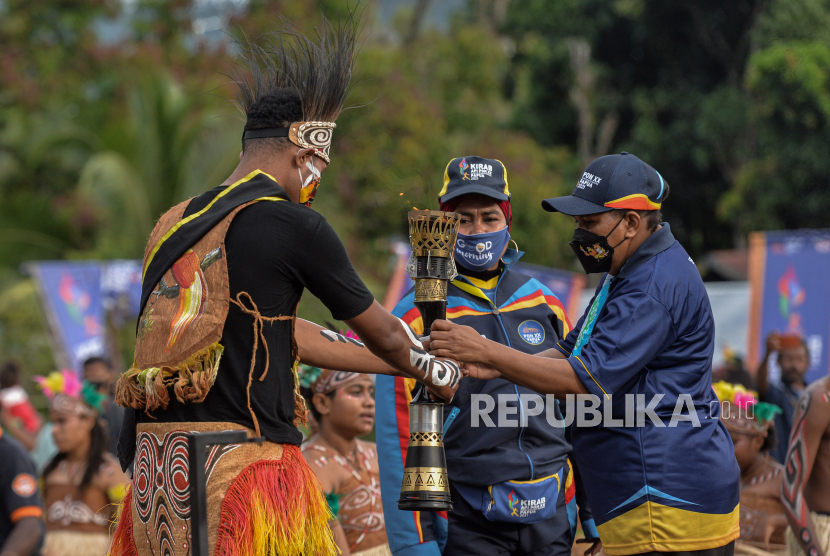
x=789, y=273
x=71, y=294
x=121, y=288
x=77, y=296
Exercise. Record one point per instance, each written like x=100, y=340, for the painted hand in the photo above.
x=445, y=376
x=460, y=343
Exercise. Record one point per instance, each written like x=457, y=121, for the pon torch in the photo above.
x=432, y=235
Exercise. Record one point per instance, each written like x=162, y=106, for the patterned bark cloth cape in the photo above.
x=262, y=499
x=185, y=298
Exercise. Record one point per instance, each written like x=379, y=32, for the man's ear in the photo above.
x=633, y=223
x=322, y=403
x=302, y=157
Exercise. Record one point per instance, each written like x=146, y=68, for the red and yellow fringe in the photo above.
x=123, y=543
x=276, y=507
x=272, y=507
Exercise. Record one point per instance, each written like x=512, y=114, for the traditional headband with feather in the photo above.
x=319, y=71
x=67, y=394
x=742, y=412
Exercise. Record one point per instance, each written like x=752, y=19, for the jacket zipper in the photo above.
x=515, y=387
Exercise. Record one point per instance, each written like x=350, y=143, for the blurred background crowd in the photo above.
x=111, y=111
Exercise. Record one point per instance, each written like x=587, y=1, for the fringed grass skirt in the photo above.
x=262, y=499
x=74, y=543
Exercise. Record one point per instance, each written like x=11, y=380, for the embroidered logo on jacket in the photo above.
x=532, y=332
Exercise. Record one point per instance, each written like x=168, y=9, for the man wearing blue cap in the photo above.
x=521, y=459
x=669, y=482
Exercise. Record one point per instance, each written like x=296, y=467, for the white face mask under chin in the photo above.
x=314, y=173
x=308, y=186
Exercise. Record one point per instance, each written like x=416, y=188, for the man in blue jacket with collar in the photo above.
x=514, y=310
x=662, y=478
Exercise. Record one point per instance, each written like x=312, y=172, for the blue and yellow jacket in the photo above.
x=514, y=310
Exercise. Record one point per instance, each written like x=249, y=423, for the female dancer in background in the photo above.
x=83, y=482
x=343, y=404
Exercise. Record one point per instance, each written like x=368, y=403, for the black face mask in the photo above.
x=592, y=250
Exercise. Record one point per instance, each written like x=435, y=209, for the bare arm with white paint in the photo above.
x=320, y=347
x=394, y=347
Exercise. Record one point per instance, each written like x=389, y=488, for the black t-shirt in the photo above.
x=18, y=486
x=274, y=250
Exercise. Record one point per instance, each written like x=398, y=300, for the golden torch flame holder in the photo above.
x=432, y=235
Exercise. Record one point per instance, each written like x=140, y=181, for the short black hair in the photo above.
x=277, y=108
x=651, y=217
x=308, y=395
x=96, y=359
x=9, y=374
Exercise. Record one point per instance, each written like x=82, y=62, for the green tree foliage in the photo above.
x=705, y=91
x=419, y=112
x=730, y=101
x=166, y=150
x=786, y=185
x=109, y=143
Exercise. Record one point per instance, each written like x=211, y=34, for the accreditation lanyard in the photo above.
x=591, y=319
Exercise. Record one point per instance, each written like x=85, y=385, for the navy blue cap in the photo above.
x=473, y=174
x=616, y=181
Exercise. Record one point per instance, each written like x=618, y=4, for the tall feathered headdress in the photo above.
x=318, y=71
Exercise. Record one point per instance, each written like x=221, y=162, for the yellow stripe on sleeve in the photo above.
x=592, y=377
